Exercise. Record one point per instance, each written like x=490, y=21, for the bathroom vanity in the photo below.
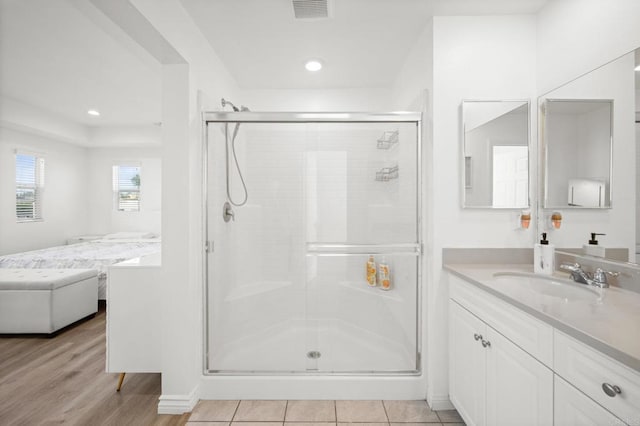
x=526, y=349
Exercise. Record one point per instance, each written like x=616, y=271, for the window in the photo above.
x=29, y=187
x=126, y=188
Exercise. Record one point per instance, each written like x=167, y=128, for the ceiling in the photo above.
x=62, y=56
x=68, y=56
x=363, y=44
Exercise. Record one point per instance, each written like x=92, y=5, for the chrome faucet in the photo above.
x=599, y=278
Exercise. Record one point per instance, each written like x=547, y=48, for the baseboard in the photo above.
x=178, y=404
x=440, y=402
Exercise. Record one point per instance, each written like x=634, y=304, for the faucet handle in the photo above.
x=600, y=275
x=573, y=267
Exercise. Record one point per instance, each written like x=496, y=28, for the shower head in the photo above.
x=225, y=102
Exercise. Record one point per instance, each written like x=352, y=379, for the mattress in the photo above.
x=96, y=254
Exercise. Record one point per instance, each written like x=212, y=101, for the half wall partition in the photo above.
x=286, y=272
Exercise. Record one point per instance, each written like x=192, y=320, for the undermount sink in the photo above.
x=566, y=290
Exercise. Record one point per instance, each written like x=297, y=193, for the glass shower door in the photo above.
x=287, y=289
x=361, y=202
x=256, y=292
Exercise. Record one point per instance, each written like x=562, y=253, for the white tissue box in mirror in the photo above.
x=586, y=192
x=83, y=238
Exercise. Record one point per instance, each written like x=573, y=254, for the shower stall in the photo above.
x=287, y=290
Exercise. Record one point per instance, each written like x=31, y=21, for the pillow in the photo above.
x=129, y=235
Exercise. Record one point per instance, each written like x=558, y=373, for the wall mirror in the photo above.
x=589, y=156
x=495, y=154
x=576, y=152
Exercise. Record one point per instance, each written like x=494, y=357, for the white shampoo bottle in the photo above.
x=544, y=257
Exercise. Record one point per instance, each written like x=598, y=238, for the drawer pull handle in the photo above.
x=611, y=390
x=477, y=336
x=486, y=343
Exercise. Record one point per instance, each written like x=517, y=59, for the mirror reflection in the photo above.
x=495, y=154
x=577, y=153
x=616, y=87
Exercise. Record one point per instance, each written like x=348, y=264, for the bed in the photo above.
x=96, y=254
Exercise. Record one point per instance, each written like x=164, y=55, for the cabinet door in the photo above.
x=519, y=388
x=573, y=408
x=467, y=365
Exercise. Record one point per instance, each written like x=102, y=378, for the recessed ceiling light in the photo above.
x=313, y=65
x=93, y=112
x=638, y=68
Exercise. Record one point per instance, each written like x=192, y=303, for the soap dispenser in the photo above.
x=543, y=257
x=593, y=249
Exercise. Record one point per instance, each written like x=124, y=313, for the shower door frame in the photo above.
x=308, y=118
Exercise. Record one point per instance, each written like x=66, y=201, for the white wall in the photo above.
x=187, y=88
x=64, y=209
x=360, y=100
x=612, y=81
x=576, y=36
x=121, y=136
x=103, y=216
x=23, y=117
x=415, y=77
x=490, y=57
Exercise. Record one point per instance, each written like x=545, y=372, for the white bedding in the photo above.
x=97, y=254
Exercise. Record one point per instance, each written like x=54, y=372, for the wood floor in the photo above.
x=61, y=380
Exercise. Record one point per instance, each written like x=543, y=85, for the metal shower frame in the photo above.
x=313, y=117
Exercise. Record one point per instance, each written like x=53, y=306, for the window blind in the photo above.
x=29, y=187
x=126, y=188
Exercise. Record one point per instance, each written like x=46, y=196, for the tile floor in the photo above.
x=320, y=413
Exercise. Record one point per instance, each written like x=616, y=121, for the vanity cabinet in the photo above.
x=493, y=381
x=573, y=408
x=508, y=367
x=133, y=315
x=595, y=374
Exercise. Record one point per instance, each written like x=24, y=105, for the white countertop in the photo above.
x=609, y=322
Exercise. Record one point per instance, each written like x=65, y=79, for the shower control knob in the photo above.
x=227, y=212
x=477, y=336
x=486, y=344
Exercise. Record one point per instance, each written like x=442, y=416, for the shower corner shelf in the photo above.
x=387, y=174
x=388, y=140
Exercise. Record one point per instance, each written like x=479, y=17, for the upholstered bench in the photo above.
x=45, y=300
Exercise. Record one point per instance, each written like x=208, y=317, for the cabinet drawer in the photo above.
x=573, y=408
x=587, y=369
x=531, y=334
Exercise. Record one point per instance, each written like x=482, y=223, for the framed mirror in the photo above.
x=577, y=143
x=495, y=154
x=614, y=85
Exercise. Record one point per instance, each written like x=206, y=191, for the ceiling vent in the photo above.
x=311, y=9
